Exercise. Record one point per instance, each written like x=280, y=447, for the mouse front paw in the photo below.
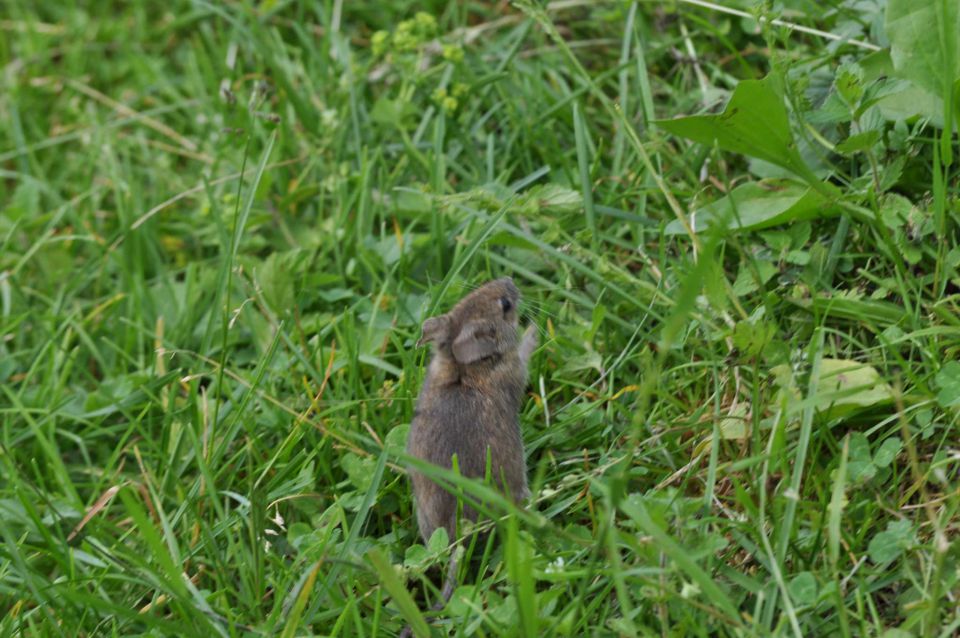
x=529, y=342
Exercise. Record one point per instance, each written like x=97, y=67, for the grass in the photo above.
x=221, y=225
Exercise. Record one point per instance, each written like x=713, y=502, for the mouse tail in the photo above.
x=450, y=583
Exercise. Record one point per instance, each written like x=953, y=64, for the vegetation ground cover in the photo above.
x=735, y=226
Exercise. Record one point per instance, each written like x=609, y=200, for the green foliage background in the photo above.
x=221, y=225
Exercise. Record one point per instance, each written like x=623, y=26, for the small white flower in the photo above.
x=328, y=117
x=277, y=519
x=556, y=566
x=689, y=590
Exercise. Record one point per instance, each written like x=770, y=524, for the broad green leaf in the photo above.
x=752, y=336
x=849, y=82
x=798, y=257
x=735, y=425
x=746, y=281
x=359, y=470
x=948, y=380
x=845, y=387
x=909, y=102
x=888, y=452
x=803, y=589
x=925, y=42
x=396, y=439
x=390, y=112
x=860, y=468
x=439, y=541
x=463, y=601
x=298, y=532
x=416, y=557
x=890, y=543
x=925, y=49
x=754, y=123
x=849, y=385
x=897, y=98
x=590, y=360
x=757, y=205
x=556, y=198
x=858, y=142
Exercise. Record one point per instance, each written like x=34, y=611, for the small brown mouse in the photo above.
x=469, y=403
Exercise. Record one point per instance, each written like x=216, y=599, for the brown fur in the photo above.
x=470, y=401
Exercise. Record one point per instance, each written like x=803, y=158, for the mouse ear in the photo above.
x=474, y=342
x=434, y=330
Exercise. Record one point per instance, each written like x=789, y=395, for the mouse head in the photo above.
x=481, y=326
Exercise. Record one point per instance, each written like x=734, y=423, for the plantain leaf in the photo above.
x=925, y=42
x=757, y=205
x=845, y=387
x=754, y=123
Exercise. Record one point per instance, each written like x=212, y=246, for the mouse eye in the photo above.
x=506, y=304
